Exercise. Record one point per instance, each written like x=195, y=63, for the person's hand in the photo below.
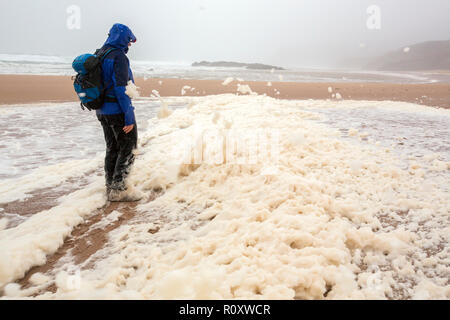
x=127, y=129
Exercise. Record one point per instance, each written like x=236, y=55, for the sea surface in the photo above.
x=55, y=65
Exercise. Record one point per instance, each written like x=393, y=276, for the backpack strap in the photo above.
x=101, y=54
x=106, y=53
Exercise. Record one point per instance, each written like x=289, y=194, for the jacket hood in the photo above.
x=119, y=37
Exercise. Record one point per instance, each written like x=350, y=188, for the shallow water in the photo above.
x=316, y=176
x=411, y=135
x=48, y=65
x=33, y=136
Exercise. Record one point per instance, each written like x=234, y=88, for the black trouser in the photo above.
x=119, y=149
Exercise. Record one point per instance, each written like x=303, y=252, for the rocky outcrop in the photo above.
x=228, y=64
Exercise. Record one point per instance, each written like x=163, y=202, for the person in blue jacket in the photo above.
x=117, y=113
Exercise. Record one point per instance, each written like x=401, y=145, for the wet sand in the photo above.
x=22, y=89
x=83, y=241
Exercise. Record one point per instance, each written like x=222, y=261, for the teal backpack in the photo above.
x=88, y=82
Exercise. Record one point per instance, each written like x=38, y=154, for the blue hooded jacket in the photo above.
x=117, y=73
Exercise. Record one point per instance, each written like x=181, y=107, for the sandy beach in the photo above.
x=258, y=167
x=20, y=89
x=92, y=237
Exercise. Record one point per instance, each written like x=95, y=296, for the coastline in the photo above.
x=28, y=89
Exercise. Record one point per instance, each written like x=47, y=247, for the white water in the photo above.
x=326, y=220
x=53, y=65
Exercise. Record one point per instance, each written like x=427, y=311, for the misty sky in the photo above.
x=283, y=32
